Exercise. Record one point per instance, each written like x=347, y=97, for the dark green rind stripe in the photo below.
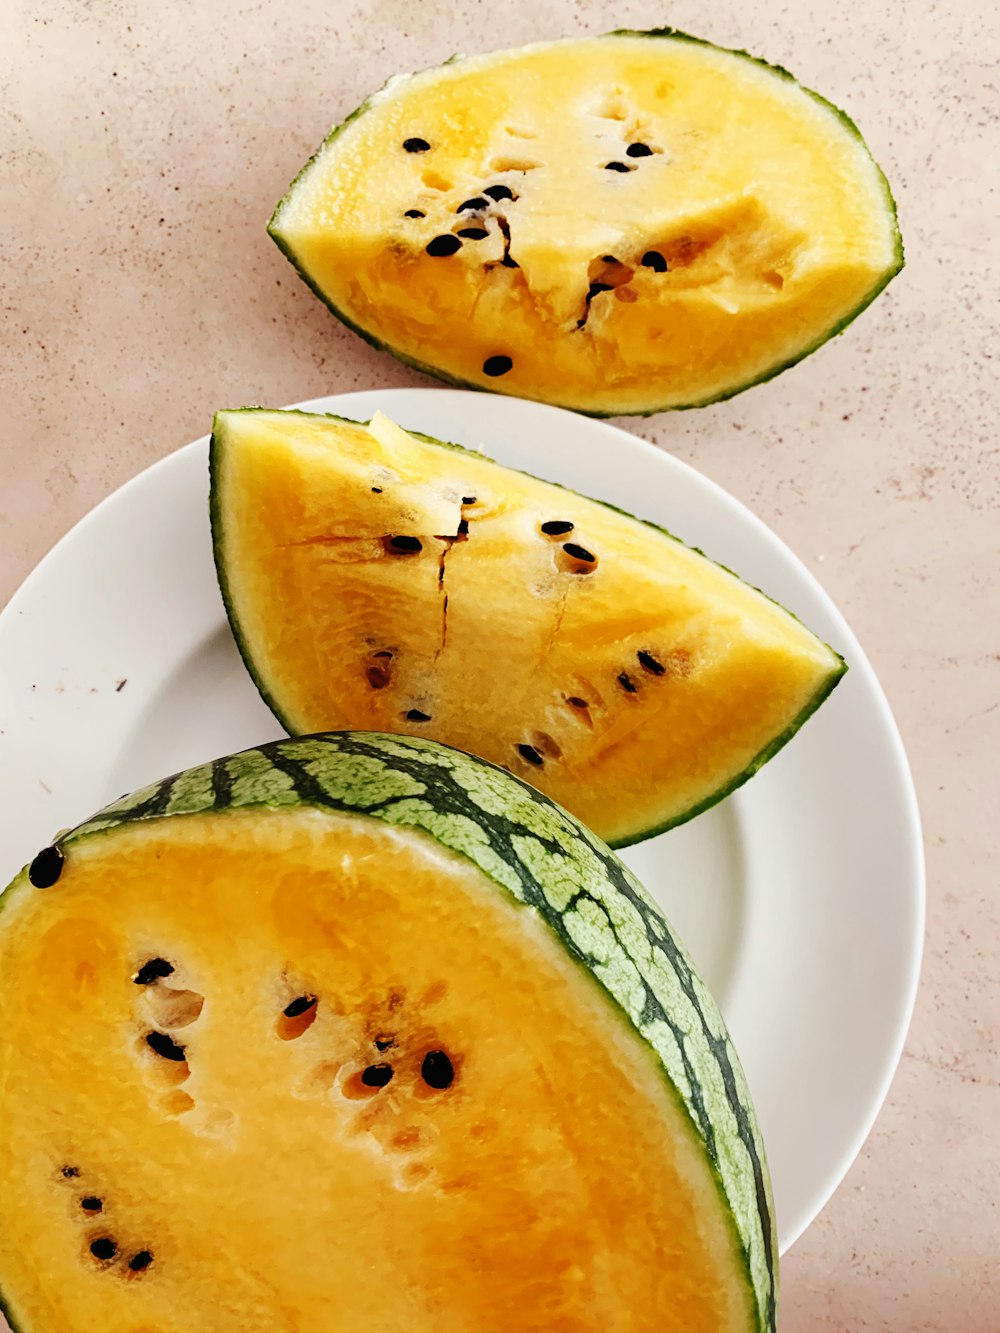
x=661, y=34
x=218, y=554
x=551, y=863
x=217, y=452
x=8, y=1314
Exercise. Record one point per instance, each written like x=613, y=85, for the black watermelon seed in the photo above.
x=442, y=246
x=414, y=213
x=649, y=663
x=497, y=365
x=576, y=701
x=654, y=260
x=383, y=1043
x=463, y=527
x=508, y=261
x=46, y=868
x=627, y=683
x=103, y=1248
x=70, y=1172
x=301, y=1005
x=529, y=753
x=579, y=552
x=416, y=145
x=473, y=205
x=376, y=490
x=474, y=233
x=639, y=150
x=403, y=545
x=152, y=971
x=468, y=499
x=377, y=1076
x=164, y=1045
x=437, y=1070
x=616, y=166
x=140, y=1261
x=609, y=259
x=415, y=715
x=556, y=527
x=92, y=1204
x=499, y=192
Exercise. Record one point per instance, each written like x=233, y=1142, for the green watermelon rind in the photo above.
x=659, y=34
x=838, y=666
x=552, y=864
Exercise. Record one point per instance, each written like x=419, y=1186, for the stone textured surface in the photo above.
x=142, y=148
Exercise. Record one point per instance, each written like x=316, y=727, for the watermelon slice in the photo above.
x=378, y=580
x=614, y=224
x=358, y=1032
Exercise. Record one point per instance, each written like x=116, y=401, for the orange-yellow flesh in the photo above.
x=772, y=217
x=503, y=649
x=553, y=1186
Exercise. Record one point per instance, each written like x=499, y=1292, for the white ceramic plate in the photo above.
x=801, y=896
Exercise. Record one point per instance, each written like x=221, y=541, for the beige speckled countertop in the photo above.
x=143, y=147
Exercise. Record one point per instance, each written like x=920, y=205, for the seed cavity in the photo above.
x=468, y=499
x=414, y=213
x=627, y=683
x=530, y=755
x=572, y=558
x=575, y=701
x=473, y=205
x=377, y=676
x=69, y=1172
x=437, y=1070
x=616, y=166
x=384, y=1043
x=175, y=1008
x=164, y=1045
x=103, y=1248
x=509, y=261
x=140, y=1261
x=498, y=192
x=639, y=150
x=46, y=868
x=416, y=145
x=556, y=527
x=415, y=715
x=377, y=1076
x=376, y=490
x=92, y=1204
x=649, y=663
x=297, y=1017
x=497, y=365
x=400, y=545
x=474, y=233
x=654, y=260
x=442, y=246
x=152, y=971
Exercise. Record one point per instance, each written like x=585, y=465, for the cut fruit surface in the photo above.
x=378, y=580
x=614, y=224
x=358, y=1031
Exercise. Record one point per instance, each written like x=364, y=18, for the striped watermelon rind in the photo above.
x=548, y=861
